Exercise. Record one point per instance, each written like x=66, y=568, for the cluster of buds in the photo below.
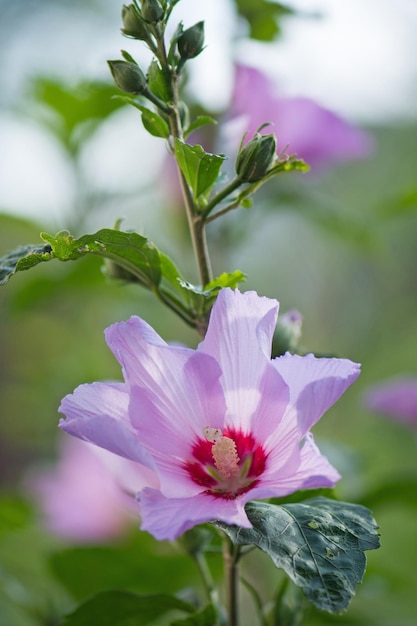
x=145, y=20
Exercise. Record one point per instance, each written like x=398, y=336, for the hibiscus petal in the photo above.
x=315, y=384
x=308, y=469
x=98, y=413
x=239, y=337
x=168, y=518
x=174, y=384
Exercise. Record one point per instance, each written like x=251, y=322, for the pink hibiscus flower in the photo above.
x=396, y=398
x=314, y=133
x=217, y=426
x=88, y=494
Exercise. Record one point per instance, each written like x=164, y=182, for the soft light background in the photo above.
x=339, y=246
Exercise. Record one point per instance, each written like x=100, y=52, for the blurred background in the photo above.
x=337, y=244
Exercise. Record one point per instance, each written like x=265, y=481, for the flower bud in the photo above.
x=128, y=76
x=256, y=158
x=152, y=10
x=133, y=24
x=191, y=42
x=287, y=333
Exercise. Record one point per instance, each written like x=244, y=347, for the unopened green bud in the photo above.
x=287, y=333
x=128, y=76
x=133, y=24
x=191, y=42
x=256, y=158
x=152, y=10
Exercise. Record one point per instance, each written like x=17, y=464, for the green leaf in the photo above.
x=204, y=298
x=226, y=280
x=200, y=168
x=14, y=514
x=86, y=570
x=201, y=120
x=158, y=83
x=153, y=123
x=264, y=17
x=319, y=543
x=206, y=617
x=77, y=110
x=122, y=608
x=23, y=258
x=134, y=253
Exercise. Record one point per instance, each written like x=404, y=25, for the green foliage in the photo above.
x=128, y=257
x=122, y=608
x=206, y=617
x=264, y=17
x=77, y=110
x=319, y=543
x=200, y=168
x=135, y=563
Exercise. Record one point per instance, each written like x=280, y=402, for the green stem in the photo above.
x=196, y=223
x=226, y=191
x=210, y=588
x=231, y=559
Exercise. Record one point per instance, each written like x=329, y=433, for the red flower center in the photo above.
x=227, y=463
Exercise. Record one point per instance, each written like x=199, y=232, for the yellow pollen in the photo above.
x=226, y=457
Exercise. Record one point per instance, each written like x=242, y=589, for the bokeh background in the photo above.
x=337, y=244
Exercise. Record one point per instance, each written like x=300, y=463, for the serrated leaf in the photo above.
x=319, y=543
x=122, y=608
x=231, y=280
x=134, y=253
x=204, y=298
x=201, y=120
x=23, y=258
x=200, y=168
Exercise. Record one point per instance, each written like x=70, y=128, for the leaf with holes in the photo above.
x=319, y=543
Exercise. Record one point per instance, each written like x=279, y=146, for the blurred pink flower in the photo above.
x=314, y=133
x=88, y=494
x=217, y=426
x=396, y=398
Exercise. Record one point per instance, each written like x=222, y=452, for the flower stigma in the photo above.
x=227, y=463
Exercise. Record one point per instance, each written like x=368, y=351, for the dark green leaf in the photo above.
x=122, y=608
x=318, y=543
x=134, y=253
x=201, y=120
x=200, y=168
x=206, y=617
x=23, y=258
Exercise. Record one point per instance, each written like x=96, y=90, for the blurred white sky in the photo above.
x=359, y=59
